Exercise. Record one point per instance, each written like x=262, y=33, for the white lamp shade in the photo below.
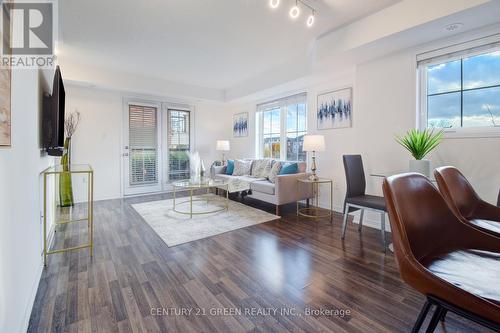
x=314, y=143
x=223, y=145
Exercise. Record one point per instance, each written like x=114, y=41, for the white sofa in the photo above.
x=285, y=190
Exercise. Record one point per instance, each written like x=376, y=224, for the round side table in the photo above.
x=316, y=211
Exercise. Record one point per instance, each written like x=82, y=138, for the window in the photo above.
x=143, y=145
x=462, y=89
x=179, y=145
x=283, y=124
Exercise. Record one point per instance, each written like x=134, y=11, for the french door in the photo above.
x=157, y=142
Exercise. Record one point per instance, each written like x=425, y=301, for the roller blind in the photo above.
x=461, y=50
x=143, y=145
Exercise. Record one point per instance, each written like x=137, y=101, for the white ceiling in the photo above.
x=209, y=43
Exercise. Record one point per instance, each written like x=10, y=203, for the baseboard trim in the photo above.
x=36, y=283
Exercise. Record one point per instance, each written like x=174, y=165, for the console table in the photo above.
x=58, y=170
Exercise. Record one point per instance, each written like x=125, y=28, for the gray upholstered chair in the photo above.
x=356, y=199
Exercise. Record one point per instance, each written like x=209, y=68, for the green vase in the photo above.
x=65, y=186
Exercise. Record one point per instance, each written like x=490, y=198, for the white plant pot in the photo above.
x=421, y=166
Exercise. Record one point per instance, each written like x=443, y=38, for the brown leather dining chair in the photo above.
x=464, y=201
x=456, y=266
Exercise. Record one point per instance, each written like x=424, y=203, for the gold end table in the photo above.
x=71, y=169
x=316, y=211
x=192, y=185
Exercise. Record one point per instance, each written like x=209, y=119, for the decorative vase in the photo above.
x=202, y=169
x=65, y=185
x=421, y=166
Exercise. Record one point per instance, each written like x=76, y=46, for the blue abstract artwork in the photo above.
x=334, y=109
x=240, y=124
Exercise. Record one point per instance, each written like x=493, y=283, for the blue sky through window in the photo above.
x=477, y=104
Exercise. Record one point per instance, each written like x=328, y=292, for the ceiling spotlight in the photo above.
x=274, y=3
x=294, y=12
x=310, y=20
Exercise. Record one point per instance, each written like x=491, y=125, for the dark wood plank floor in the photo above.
x=268, y=277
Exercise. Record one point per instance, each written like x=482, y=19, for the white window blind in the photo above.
x=143, y=144
x=461, y=50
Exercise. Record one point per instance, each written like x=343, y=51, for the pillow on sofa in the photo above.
x=230, y=167
x=275, y=171
x=242, y=168
x=289, y=169
x=261, y=168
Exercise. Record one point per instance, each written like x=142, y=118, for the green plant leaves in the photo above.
x=420, y=143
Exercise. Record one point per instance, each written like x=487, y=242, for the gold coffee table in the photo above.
x=192, y=185
x=315, y=211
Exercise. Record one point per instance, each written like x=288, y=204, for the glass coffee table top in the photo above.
x=200, y=183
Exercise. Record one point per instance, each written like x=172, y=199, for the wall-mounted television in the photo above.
x=53, y=117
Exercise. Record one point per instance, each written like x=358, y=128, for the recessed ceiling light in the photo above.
x=274, y=3
x=310, y=20
x=453, y=27
x=294, y=12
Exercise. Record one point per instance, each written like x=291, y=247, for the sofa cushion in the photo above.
x=289, y=169
x=263, y=186
x=230, y=167
x=261, y=168
x=275, y=171
x=242, y=168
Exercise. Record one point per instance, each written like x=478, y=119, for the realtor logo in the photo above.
x=28, y=34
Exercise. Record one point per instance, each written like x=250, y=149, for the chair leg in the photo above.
x=421, y=317
x=361, y=215
x=278, y=210
x=435, y=319
x=382, y=229
x=443, y=314
x=344, y=223
x=307, y=203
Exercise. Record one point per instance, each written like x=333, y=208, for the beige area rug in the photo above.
x=175, y=228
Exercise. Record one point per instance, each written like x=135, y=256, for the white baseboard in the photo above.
x=36, y=283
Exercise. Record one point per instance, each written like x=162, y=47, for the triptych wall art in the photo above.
x=334, y=109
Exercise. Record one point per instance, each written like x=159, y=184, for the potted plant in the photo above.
x=419, y=144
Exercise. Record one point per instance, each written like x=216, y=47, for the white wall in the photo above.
x=97, y=140
x=20, y=204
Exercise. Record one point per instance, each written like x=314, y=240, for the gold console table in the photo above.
x=84, y=169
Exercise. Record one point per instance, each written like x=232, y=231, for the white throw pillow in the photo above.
x=275, y=171
x=242, y=168
x=261, y=168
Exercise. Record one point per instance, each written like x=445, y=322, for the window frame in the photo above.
x=282, y=104
x=460, y=54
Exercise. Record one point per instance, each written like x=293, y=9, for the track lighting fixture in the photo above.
x=310, y=20
x=274, y=3
x=296, y=10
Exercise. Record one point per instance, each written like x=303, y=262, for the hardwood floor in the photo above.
x=268, y=277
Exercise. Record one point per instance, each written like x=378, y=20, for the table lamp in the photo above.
x=223, y=145
x=314, y=143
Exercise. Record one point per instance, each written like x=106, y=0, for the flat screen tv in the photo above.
x=53, y=117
